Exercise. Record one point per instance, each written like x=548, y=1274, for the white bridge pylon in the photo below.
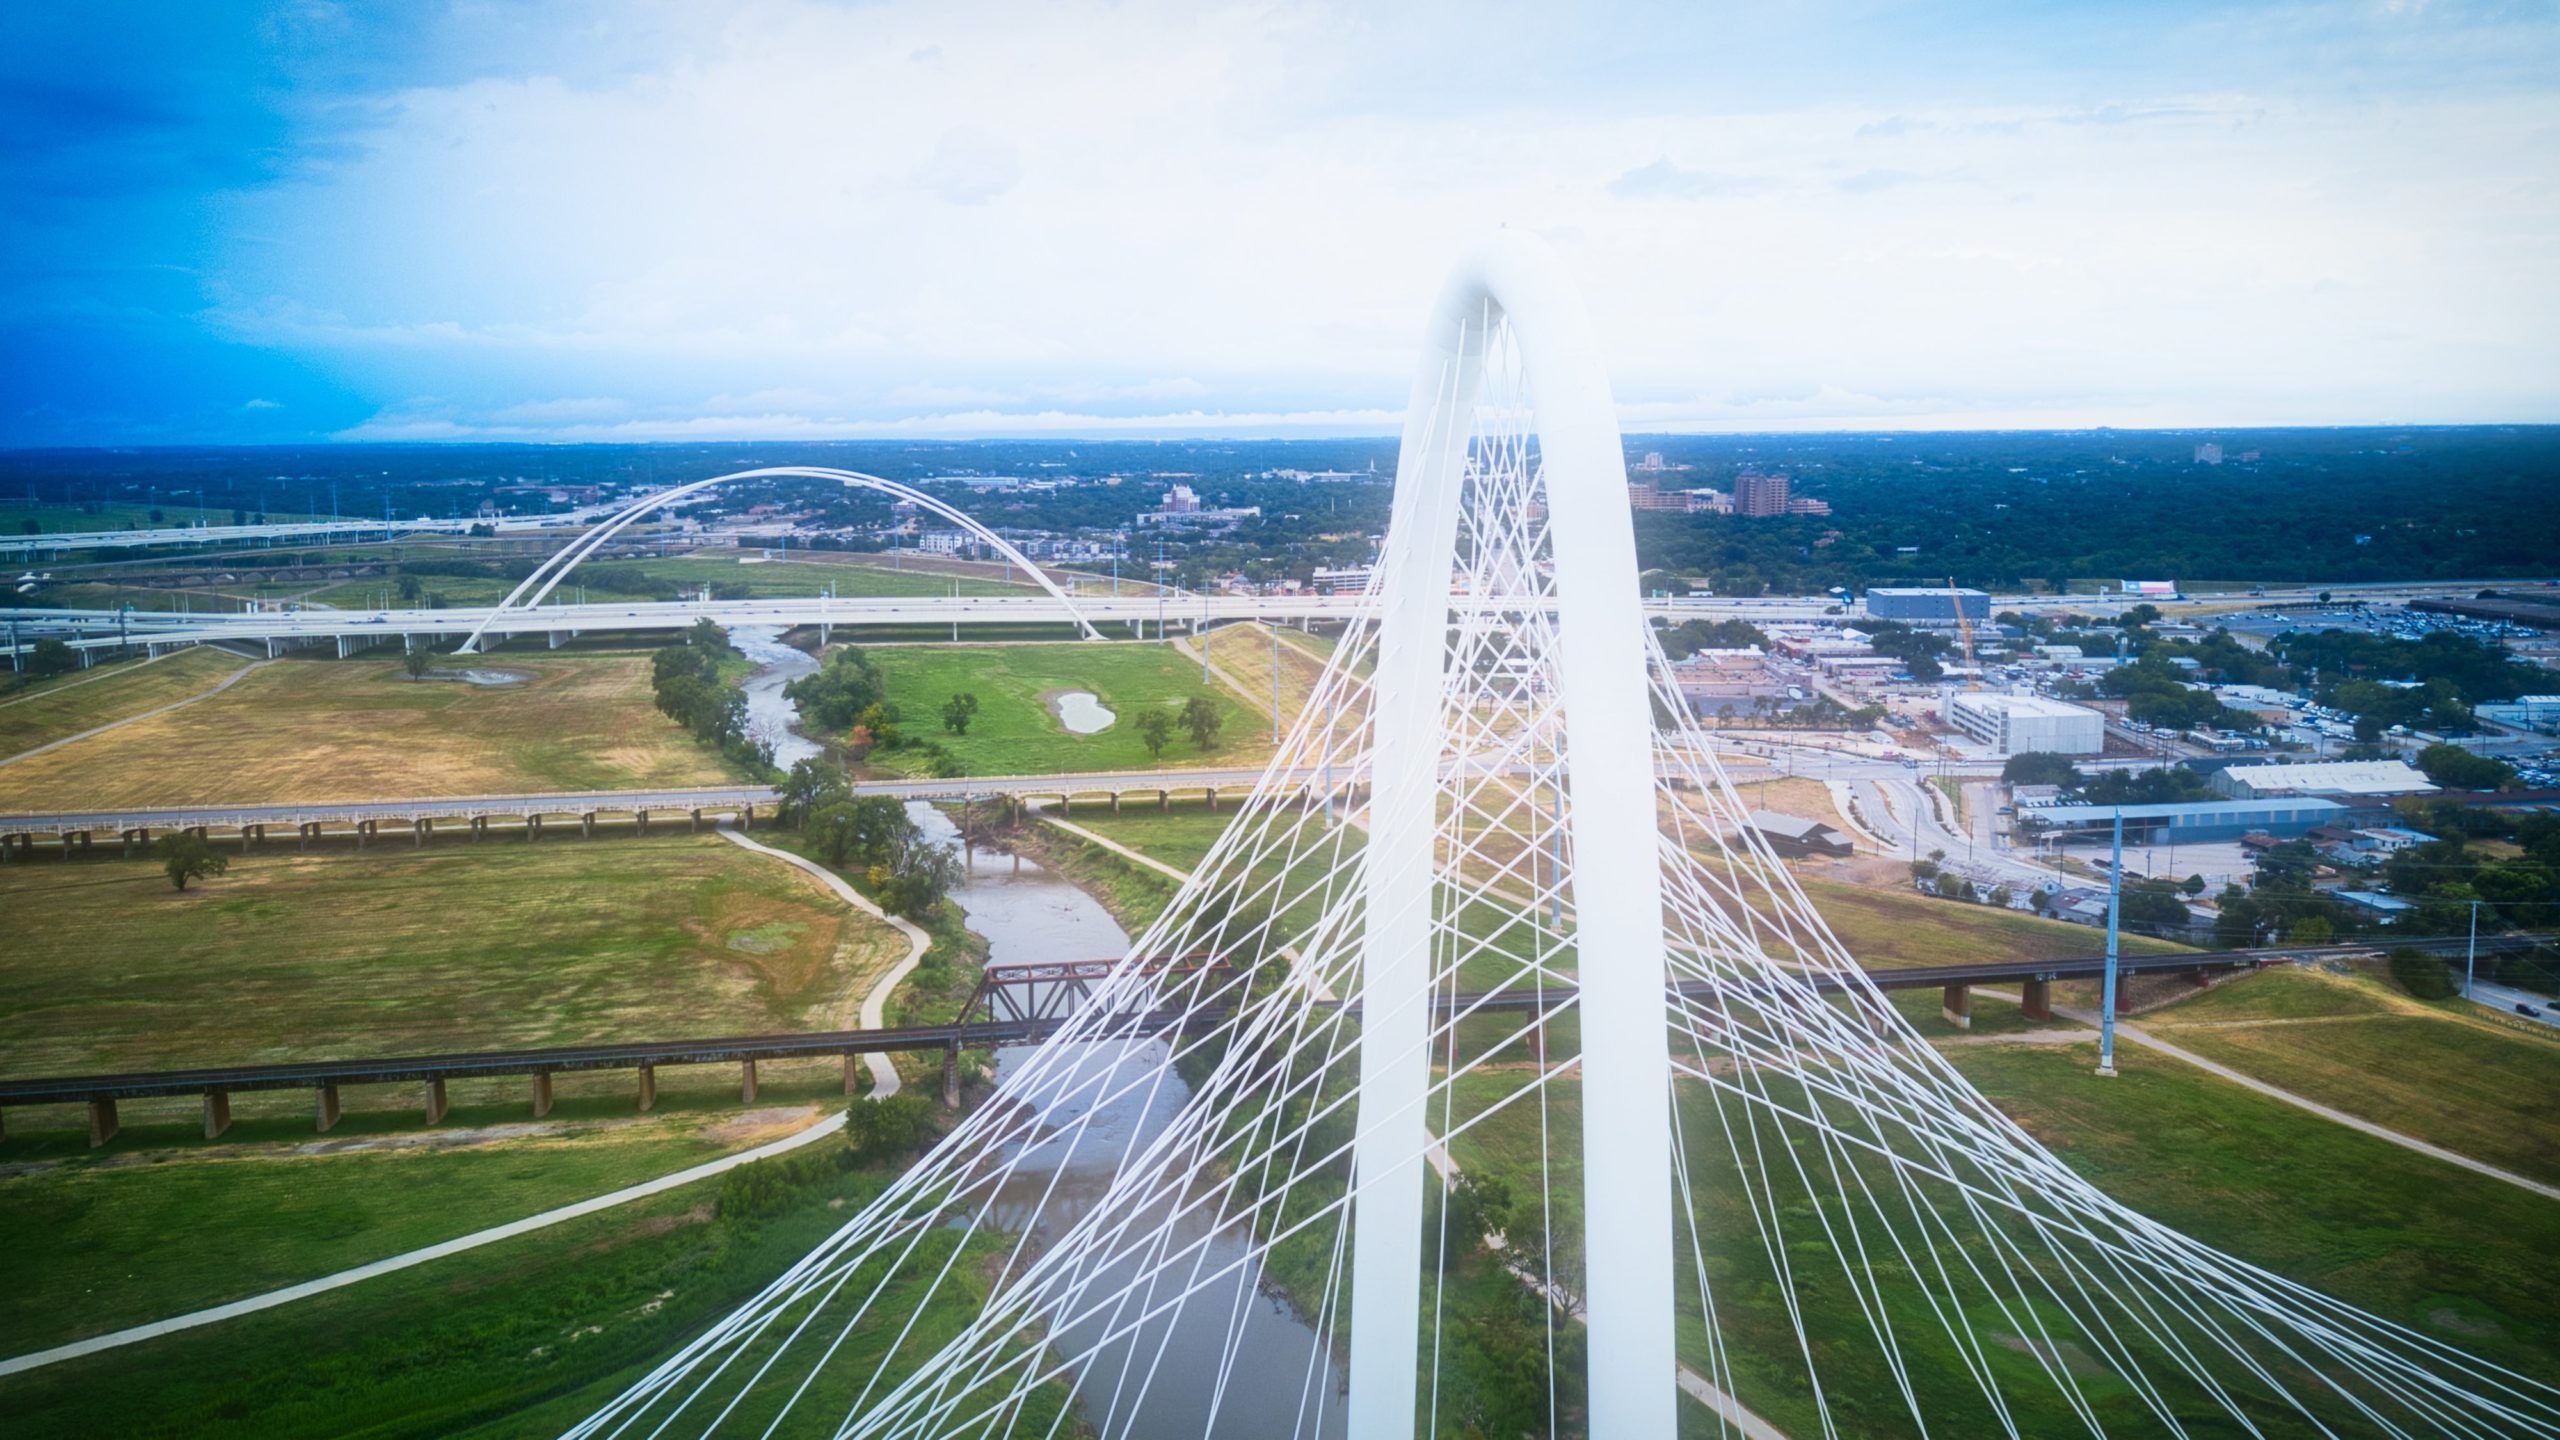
x=537, y=587
x=1517, y=956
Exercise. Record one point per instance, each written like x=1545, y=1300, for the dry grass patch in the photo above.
x=455, y=947
x=324, y=730
x=54, y=709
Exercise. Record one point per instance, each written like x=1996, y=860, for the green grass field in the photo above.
x=522, y=1338
x=402, y=951
x=312, y=729
x=1016, y=731
x=83, y=700
x=205, y=1225
x=2476, y=1088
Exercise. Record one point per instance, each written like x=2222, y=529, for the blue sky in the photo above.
x=631, y=221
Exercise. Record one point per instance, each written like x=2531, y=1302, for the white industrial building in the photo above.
x=2025, y=724
x=2348, y=780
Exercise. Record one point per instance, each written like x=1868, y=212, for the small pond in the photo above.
x=1081, y=711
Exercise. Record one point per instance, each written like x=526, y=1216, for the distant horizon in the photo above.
x=1214, y=438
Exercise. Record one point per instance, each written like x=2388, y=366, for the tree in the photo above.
x=812, y=785
x=185, y=855
x=881, y=719
x=886, y=1129
x=418, y=662
x=2041, y=767
x=845, y=684
x=410, y=588
x=2421, y=974
x=2194, y=885
x=51, y=657
x=2455, y=768
x=1999, y=897
x=957, y=711
x=1155, y=727
x=1202, y=720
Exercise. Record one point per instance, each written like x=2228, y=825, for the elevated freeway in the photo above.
x=92, y=633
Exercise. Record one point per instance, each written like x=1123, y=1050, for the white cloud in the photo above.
x=910, y=213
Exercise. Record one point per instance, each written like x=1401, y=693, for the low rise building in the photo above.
x=1934, y=605
x=2028, y=724
x=2188, y=822
x=1795, y=837
x=2351, y=780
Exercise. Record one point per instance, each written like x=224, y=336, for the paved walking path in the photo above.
x=884, y=1075
x=225, y=683
x=473, y=1241
x=884, y=1078
x=2140, y=1036
x=104, y=673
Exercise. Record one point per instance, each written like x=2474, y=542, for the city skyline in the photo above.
x=799, y=221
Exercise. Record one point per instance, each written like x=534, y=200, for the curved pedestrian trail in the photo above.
x=884, y=1076
x=884, y=1084
x=225, y=683
x=115, y=1339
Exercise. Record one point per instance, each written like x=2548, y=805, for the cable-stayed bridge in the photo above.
x=1734, y=1172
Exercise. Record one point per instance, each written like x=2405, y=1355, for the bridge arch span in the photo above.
x=548, y=575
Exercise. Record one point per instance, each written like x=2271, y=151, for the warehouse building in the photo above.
x=1797, y=838
x=2187, y=823
x=2024, y=724
x=2366, y=781
x=1938, y=606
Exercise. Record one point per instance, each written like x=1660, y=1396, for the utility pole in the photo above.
x=2115, y=907
x=1275, y=681
x=2471, y=955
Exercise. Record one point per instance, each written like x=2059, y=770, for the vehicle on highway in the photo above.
x=2527, y=1011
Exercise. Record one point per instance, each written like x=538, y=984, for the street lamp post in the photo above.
x=2471, y=953
x=2115, y=908
x=1275, y=683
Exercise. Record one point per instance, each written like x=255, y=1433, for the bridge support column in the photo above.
x=532, y=828
x=217, y=1113
x=852, y=1073
x=1115, y=802
x=640, y=821
x=326, y=1110
x=1957, y=1006
x=587, y=825
x=556, y=641
x=951, y=1077
x=1066, y=806
x=419, y=830
x=306, y=832
x=2035, y=999
x=132, y=839
x=70, y=843
x=1211, y=795
x=746, y=818
x=697, y=820
x=435, y=1101
x=541, y=1093
x=648, y=1087
x=102, y=1122
x=746, y=1082
x=479, y=828
x=364, y=832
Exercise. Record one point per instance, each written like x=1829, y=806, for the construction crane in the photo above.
x=1964, y=629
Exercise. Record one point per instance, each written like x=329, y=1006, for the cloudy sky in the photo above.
x=626, y=220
